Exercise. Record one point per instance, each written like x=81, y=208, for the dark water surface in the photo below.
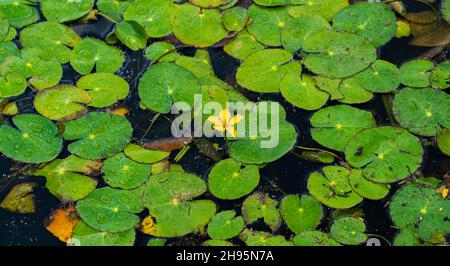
x=287, y=175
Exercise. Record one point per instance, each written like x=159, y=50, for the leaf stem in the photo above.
x=150, y=126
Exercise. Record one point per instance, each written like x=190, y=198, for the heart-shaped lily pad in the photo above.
x=121, y=172
x=302, y=91
x=267, y=23
x=440, y=76
x=90, y=53
x=416, y=73
x=243, y=45
x=64, y=102
x=34, y=140
x=366, y=188
x=387, y=154
x=228, y=179
x=197, y=27
x=166, y=83
x=349, y=231
x=381, y=76
x=83, y=235
x=98, y=135
x=261, y=206
x=132, y=34
x=301, y=213
x=104, y=88
x=324, y=8
x=58, y=41
x=20, y=13
x=234, y=19
x=153, y=15
x=337, y=54
x=142, y=155
x=67, y=178
x=259, y=239
x=374, y=21
x=64, y=10
x=422, y=111
x=264, y=70
x=314, y=238
x=332, y=188
x=224, y=225
x=110, y=210
x=334, y=126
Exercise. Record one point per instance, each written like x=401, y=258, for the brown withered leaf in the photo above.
x=440, y=36
x=20, y=199
x=167, y=144
x=207, y=148
x=62, y=221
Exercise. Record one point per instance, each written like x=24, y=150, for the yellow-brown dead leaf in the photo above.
x=62, y=222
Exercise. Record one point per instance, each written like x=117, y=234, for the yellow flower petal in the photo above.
x=232, y=131
x=236, y=119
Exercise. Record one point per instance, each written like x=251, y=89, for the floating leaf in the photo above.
x=217, y=243
x=156, y=242
x=83, y=235
x=166, y=83
x=98, y=135
x=302, y=91
x=20, y=13
x=381, y=76
x=8, y=49
x=267, y=23
x=438, y=37
x=337, y=54
x=324, y=8
x=58, y=41
x=131, y=34
x=254, y=238
x=224, y=225
x=167, y=144
x=374, y=21
x=334, y=126
x=445, y=9
x=407, y=237
x=301, y=213
x=157, y=50
x=259, y=205
x=90, y=53
x=243, y=45
x=314, y=238
x=387, y=154
x=121, y=172
x=332, y=188
x=229, y=180
x=67, y=180
x=234, y=19
x=12, y=85
x=443, y=141
x=61, y=222
x=113, y=8
x=264, y=70
x=63, y=10
x=209, y=3
x=422, y=111
x=440, y=76
x=349, y=231
x=197, y=27
x=143, y=155
x=366, y=188
x=403, y=29
x=416, y=73
x=104, y=88
x=63, y=102
x=34, y=140
x=20, y=199
x=353, y=93
x=153, y=15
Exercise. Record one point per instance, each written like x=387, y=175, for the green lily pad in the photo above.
x=268, y=23
x=58, y=41
x=121, y=172
x=349, y=231
x=332, y=188
x=374, y=21
x=443, y=141
x=335, y=126
x=104, y=88
x=386, y=154
x=421, y=206
x=110, y=210
x=132, y=34
x=90, y=53
x=366, y=188
x=83, y=235
x=353, y=93
x=259, y=239
x=114, y=9
x=142, y=155
x=63, y=102
x=314, y=238
x=407, y=237
x=209, y=3
x=8, y=49
x=440, y=76
x=197, y=27
x=381, y=76
x=12, y=85
x=445, y=9
x=271, y=2
x=297, y=30
x=265, y=146
x=67, y=178
x=217, y=243
x=34, y=140
x=98, y=135
x=302, y=91
x=224, y=225
x=301, y=213
x=153, y=15
x=229, y=180
x=324, y=8
x=20, y=13
x=63, y=10
x=337, y=54
x=166, y=83
x=264, y=70
x=157, y=50
x=416, y=73
x=422, y=111
x=169, y=198
x=156, y=242
x=234, y=19
x=243, y=45
x=261, y=206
